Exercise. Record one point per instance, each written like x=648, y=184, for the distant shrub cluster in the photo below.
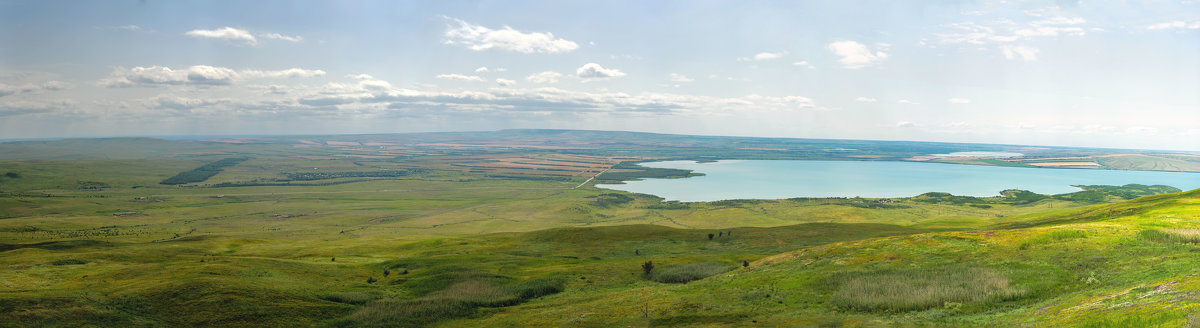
x=204, y=172
x=610, y=199
x=626, y=171
x=309, y=176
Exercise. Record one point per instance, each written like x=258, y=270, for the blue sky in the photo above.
x=1104, y=74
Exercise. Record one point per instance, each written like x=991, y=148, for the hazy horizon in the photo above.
x=1045, y=73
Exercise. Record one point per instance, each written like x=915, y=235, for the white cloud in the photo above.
x=360, y=77
x=183, y=103
x=958, y=101
x=277, y=36
x=195, y=75
x=226, y=33
x=9, y=90
x=237, y=35
x=856, y=55
x=905, y=124
x=1172, y=25
x=764, y=56
x=506, y=83
x=865, y=99
x=805, y=64
x=289, y=73
x=480, y=38
x=1025, y=53
x=593, y=71
x=907, y=102
x=675, y=77
x=544, y=77
x=460, y=77
x=130, y=27
x=481, y=69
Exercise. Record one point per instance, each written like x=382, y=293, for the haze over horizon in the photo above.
x=1056, y=73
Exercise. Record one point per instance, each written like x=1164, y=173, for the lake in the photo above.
x=759, y=179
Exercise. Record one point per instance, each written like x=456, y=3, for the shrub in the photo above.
x=647, y=268
x=690, y=272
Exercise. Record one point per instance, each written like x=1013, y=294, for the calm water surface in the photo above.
x=744, y=179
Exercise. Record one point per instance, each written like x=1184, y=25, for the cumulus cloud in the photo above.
x=856, y=55
x=194, y=75
x=958, y=101
x=1022, y=52
x=865, y=99
x=226, y=33
x=907, y=102
x=460, y=77
x=675, y=77
x=544, y=77
x=506, y=83
x=361, y=76
x=804, y=64
x=289, y=73
x=1174, y=25
x=480, y=38
x=242, y=36
x=593, y=71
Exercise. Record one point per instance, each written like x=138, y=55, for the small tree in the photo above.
x=745, y=264
x=647, y=268
x=710, y=236
x=720, y=233
x=333, y=259
x=637, y=252
x=371, y=280
x=386, y=272
x=404, y=272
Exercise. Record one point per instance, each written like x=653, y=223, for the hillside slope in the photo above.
x=1134, y=265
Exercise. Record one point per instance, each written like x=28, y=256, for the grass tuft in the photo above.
x=1182, y=236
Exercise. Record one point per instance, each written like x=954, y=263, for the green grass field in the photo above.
x=288, y=239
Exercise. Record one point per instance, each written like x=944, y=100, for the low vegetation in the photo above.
x=681, y=274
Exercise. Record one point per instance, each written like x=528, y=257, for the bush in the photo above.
x=690, y=272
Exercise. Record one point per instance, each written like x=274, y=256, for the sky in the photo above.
x=1116, y=74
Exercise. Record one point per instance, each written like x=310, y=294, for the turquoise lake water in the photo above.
x=753, y=179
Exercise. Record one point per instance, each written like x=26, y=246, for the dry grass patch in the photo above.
x=921, y=289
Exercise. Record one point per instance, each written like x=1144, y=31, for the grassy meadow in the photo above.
x=454, y=230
